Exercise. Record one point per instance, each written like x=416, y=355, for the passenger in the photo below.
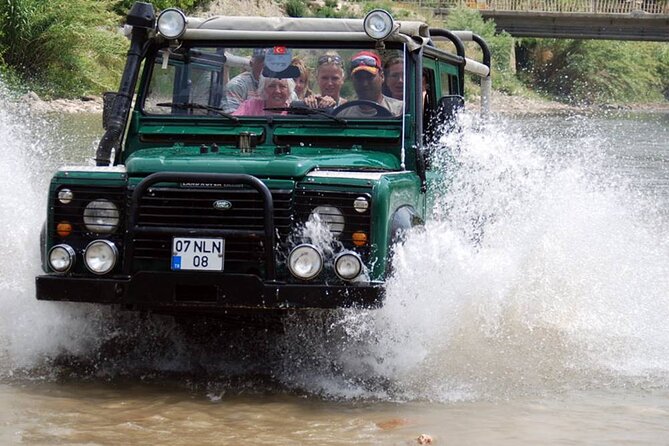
x=302, y=89
x=367, y=77
x=245, y=85
x=274, y=93
x=330, y=76
x=393, y=70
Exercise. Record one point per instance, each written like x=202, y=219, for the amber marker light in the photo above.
x=64, y=229
x=359, y=238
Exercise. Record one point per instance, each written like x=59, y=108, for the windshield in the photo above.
x=318, y=83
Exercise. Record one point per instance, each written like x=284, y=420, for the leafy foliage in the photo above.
x=501, y=47
x=61, y=47
x=122, y=7
x=598, y=71
x=296, y=8
x=328, y=9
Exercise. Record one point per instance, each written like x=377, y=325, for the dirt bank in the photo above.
x=87, y=104
x=500, y=103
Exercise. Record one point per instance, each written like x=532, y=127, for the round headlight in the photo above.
x=331, y=216
x=378, y=24
x=101, y=216
x=100, y=256
x=61, y=258
x=305, y=262
x=65, y=196
x=348, y=265
x=172, y=23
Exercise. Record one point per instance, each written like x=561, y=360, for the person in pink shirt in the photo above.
x=273, y=93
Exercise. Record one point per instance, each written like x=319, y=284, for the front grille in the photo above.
x=308, y=199
x=172, y=207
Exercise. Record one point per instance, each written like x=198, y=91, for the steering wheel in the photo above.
x=381, y=111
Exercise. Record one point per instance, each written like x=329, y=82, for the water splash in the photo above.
x=28, y=330
x=540, y=271
x=543, y=268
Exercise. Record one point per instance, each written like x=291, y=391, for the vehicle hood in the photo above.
x=258, y=163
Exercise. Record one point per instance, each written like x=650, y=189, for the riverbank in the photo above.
x=500, y=103
x=86, y=104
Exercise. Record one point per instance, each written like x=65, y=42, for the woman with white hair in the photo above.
x=274, y=93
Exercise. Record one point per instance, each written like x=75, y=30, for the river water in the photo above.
x=531, y=309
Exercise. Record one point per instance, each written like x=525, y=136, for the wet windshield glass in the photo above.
x=319, y=83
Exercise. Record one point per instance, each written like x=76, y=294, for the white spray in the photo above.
x=541, y=269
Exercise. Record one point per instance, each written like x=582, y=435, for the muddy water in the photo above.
x=107, y=413
x=532, y=309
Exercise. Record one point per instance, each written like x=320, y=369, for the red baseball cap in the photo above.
x=367, y=61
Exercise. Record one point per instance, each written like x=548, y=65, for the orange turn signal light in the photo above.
x=359, y=238
x=64, y=229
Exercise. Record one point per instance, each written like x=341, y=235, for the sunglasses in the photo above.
x=366, y=61
x=329, y=59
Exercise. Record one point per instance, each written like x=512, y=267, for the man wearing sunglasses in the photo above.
x=367, y=78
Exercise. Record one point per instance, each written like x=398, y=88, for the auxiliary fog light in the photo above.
x=100, y=256
x=101, y=216
x=172, y=23
x=61, y=258
x=348, y=265
x=305, y=262
x=378, y=24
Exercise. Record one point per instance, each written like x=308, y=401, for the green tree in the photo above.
x=598, y=71
x=501, y=46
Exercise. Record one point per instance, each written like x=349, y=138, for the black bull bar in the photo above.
x=206, y=178
x=167, y=291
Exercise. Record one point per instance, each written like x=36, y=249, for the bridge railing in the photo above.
x=585, y=6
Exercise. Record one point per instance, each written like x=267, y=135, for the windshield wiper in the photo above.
x=307, y=111
x=194, y=105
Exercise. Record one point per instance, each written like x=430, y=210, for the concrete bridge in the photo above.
x=574, y=19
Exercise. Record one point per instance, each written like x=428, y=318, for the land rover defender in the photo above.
x=219, y=187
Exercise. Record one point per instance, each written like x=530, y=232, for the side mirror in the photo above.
x=107, y=104
x=448, y=107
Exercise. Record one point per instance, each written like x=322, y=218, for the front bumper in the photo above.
x=186, y=292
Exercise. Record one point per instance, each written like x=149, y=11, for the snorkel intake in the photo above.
x=142, y=18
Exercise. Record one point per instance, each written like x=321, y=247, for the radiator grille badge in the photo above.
x=222, y=205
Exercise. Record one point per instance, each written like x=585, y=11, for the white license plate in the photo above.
x=199, y=254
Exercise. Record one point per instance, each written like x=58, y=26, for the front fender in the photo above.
x=403, y=219
x=42, y=247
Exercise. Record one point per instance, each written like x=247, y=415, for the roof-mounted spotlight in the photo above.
x=378, y=24
x=172, y=23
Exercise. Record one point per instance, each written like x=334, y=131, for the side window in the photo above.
x=448, y=80
x=429, y=101
x=449, y=83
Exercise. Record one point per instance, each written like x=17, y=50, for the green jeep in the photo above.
x=226, y=181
